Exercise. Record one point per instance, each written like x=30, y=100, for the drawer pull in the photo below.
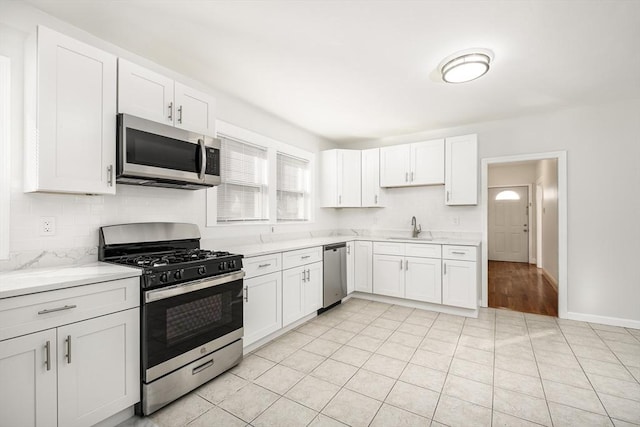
x=47, y=355
x=306, y=256
x=264, y=265
x=202, y=367
x=458, y=253
x=68, y=355
x=53, y=310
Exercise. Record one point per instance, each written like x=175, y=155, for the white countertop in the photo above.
x=23, y=282
x=256, y=249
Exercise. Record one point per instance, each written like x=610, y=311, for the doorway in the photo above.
x=524, y=236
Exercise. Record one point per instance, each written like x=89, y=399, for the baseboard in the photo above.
x=550, y=278
x=604, y=320
x=467, y=312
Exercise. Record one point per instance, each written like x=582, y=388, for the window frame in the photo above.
x=307, y=192
x=273, y=147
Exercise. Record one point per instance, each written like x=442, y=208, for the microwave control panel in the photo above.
x=213, y=162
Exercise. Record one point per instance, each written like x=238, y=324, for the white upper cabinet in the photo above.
x=152, y=96
x=371, y=191
x=420, y=163
x=340, y=170
x=70, y=116
x=461, y=179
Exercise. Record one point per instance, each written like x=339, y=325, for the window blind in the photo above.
x=243, y=192
x=292, y=188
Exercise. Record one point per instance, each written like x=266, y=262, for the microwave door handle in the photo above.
x=203, y=159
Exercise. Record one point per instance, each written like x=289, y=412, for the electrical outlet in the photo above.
x=273, y=229
x=47, y=226
x=456, y=220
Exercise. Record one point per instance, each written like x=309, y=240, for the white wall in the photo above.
x=547, y=173
x=78, y=217
x=603, y=156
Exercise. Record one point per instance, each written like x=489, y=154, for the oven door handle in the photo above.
x=185, y=288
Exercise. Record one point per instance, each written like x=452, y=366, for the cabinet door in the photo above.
x=292, y=297
x=461, y=181
x=27, y=383
x=144, y=93
x=388, y=275
x=312, y=288
x=76, y=115
x=349, y=176
x=371, y=192
x=98, y=367
x=363, y=267
x=194, y=110
x=427, y=162
x=459, y=283
x=351, y=258
x=423, y=279
x=262, y=306
x=394, y=166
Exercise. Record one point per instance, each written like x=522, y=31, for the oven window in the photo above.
x=193, y=318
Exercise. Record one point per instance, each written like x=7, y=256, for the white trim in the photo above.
x=561, y=157
x=539, y=206
x=5, y=154
x=604, y=320
x=530, y=257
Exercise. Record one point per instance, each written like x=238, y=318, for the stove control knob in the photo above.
x=223, y=265
x=232, y=264
x=164, y=277
x=178, y=274
x=202, y=270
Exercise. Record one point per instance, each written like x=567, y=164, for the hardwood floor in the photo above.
x=521, y=287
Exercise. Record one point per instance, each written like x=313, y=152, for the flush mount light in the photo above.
x=465, y=66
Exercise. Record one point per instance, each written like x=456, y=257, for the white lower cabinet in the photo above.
x=423, y=279
x=301, y=292
x=351, y=255
x=388, y=275
x=262, y=306
x=363, y=267
x=459, y=279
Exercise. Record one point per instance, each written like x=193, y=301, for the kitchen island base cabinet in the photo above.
x=262, y=306
x=459, y=280
x=301, y=292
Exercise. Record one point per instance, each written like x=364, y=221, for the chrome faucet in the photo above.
x=416, y=230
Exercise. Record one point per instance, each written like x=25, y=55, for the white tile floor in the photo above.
x=367, y=363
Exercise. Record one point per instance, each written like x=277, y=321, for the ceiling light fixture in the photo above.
x=465, y=66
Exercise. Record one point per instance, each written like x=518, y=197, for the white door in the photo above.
x=363, y=267
x=312, y=288
x=76, y=116
x=28, y=396
x=262, y=307
x=371, y=194
x=461, y=170
x=388, y=275
x=423, y=279
x=292, y=297
x=351, y=258
x=194, y=110
x=508, y=224
x=459, y=283
x=394, y=165
x=144, y=93
x=427, y=162
x=98, y=368
x=349, y=176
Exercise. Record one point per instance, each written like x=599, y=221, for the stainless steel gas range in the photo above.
x=191, y=314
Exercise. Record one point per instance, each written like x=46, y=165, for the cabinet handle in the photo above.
x=458, y=253
x=400, y=264
x=308, y=275
x=445, y=267
x=170, y=117
x=68, y=355
x=411, y=176
x=47, y=355
x=53, y=310
x=246, y=293
x=406, y=177
x=306, y=256
x=264, y=265
x=348, y=250
x=202, y=367
x=376, y=199
x=339, y=200
x=406, y=264
x=447, y=195
x=110, y=175
x=304, y=276
x=180, y=114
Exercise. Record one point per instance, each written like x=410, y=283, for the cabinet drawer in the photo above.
x=30, y=313
x=301, y=257
x=263, y=264
x=423, y=250
x=463, y=253
x=388, y=248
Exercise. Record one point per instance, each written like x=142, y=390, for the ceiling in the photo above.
x=354, y=70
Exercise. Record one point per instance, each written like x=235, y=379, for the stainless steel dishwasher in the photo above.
x=335, y=274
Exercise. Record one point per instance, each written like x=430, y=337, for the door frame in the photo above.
x=561, y=158
x=530, y=254
x=539, y=203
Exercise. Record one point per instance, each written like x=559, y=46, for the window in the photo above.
x=243, y=194
x=5, y=155
x=292, y=188
x=507, y=195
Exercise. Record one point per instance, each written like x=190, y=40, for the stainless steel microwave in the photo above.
x=155, y=154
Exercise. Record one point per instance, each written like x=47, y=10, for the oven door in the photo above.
x=184, y=322
x=154, y=151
